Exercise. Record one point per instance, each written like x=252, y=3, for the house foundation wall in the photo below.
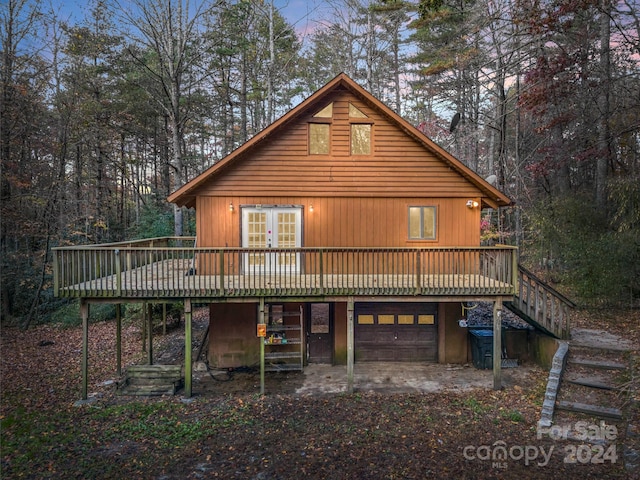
x=453, y=339
x=233, y=340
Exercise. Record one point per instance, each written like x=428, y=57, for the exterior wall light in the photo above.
x=231, y=206
x=472, y=204
x=311, y=207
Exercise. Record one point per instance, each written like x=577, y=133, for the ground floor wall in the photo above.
x=383, y=331
x=232, y=335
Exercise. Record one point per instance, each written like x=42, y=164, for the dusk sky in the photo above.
x=302, y=14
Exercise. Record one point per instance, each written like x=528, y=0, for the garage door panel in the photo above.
x=375, y=353
x=392, y=332
x=417, y=334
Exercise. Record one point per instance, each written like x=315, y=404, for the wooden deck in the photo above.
x=154, y=281
x=126, y=272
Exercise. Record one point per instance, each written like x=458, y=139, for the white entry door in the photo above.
x=271, y=227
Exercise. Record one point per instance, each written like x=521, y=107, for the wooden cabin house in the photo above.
x=345, y=176
x=339, y=234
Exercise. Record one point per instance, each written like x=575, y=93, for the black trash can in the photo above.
x=482, y=348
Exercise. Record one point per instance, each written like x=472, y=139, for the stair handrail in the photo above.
x=553, y=321
x=546, y=286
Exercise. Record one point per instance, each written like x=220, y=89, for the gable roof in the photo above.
x=186, y=195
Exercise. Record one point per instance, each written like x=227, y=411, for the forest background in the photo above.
x=102, y=117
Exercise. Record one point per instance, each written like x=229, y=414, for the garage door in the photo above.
x=396, y=332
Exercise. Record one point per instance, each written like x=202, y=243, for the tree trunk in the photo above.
x=604, y=153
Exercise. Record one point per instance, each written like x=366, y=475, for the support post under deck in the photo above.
x=261, y=319
x=150, y=334
x=350, y=342
x=188, y=365
x=497, y=344
x=119, y=339
x=84, y=314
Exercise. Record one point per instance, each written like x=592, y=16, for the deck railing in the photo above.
x=169, y=267
x=541, y=305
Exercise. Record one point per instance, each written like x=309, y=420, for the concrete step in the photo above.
x=147, y=390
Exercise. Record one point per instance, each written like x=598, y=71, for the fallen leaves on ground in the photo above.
x=244, y=435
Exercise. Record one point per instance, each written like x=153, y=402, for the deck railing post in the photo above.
x=56, y=274
x=118, y=274
x=514, y=270
x=221, y=273
x=321, y=266
x=418, y=266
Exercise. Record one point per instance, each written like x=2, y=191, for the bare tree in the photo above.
x=169, y=32
x=604, y=156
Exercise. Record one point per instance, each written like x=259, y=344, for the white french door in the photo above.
x=271, y=227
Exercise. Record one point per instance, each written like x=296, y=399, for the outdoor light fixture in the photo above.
x=311, y=207
x=472, y=204
x=231, y=206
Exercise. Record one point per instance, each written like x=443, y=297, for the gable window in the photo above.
x=360, y=132
x=326, y=112
x=319, y=135
x=360, y=139
x=355, y=112
x=422, y=223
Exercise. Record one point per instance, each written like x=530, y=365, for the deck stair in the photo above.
x=150, y=380
x=590, y=386
x=540, y=305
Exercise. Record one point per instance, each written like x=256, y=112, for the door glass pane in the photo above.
x=256, y=235
x=386, y=319
x=319, y=318
x=277, y=315
x=271, y=228
x=287, y=229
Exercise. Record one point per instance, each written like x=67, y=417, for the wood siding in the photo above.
x=399, y=166
x=344, y=221
x=357, y=201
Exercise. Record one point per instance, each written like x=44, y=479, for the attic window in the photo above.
x=355, y=112
x=360, y=139
x=326, y=112
x=319, y=135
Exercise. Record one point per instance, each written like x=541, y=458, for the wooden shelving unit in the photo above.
x=284, y=342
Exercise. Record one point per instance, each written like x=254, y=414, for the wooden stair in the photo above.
x=589, y=386
x=541, y=306
x=591, y=410
x=151, y=380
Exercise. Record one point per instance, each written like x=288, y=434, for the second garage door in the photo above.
x=396, y=332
